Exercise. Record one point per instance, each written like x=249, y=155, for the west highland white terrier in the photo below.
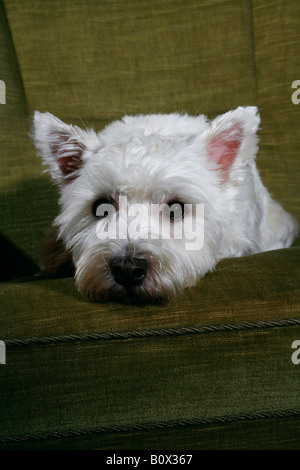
x=151, y=203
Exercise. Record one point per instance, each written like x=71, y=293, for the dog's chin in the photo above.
x=118, y=294
x=140, y=295
x=102, y=288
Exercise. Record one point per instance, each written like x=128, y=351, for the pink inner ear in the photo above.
x=68, y=153
x=223, y=148
x=69, y=164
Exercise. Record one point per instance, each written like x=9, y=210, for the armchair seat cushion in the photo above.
x=77, y=370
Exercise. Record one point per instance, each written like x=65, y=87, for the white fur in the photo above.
x=151, y=160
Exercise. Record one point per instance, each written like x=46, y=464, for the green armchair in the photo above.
x=215, y=369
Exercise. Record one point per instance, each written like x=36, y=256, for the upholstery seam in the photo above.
x=153, y=333
x=172, y=424
x=15, y=54
x=252, y=40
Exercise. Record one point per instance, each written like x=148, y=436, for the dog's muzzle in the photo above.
x=129, y=272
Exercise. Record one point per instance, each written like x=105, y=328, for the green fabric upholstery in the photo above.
x=212, y=369
x=78, y=367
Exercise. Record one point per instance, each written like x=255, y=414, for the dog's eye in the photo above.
x=101, y=208
x=176, y=210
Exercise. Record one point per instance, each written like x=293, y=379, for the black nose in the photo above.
x=128, y=272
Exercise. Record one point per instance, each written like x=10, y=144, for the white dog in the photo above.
x=152, y=203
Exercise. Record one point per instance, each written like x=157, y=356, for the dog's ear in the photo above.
x=61, y=146
x=232, y=139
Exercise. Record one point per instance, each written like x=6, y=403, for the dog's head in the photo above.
x=146, y=203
